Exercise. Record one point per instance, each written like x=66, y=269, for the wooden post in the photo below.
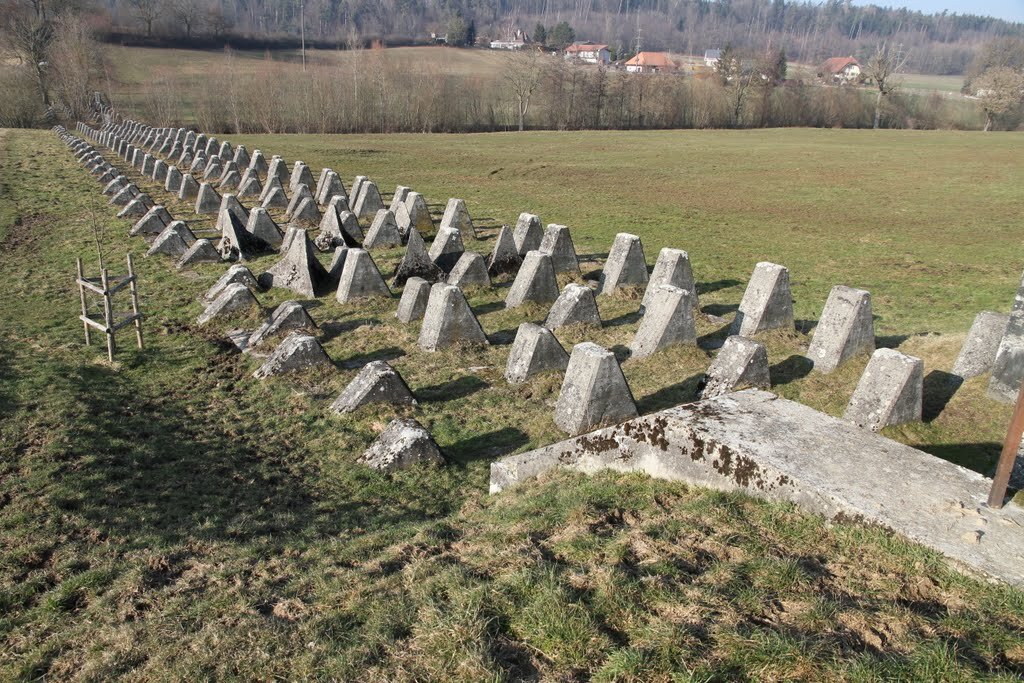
x=135, y=301
x=108, y=315
x=81, y=296
x=1010, y=447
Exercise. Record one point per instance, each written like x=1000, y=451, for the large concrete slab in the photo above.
x=777, y=449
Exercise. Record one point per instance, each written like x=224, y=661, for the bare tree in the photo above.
x=188, y=13
x=522, y=73
x=881, y=69
x=77, y=66
x=147, y=12
x=1000, y=91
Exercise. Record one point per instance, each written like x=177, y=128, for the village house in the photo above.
x=516, y=40
x=840, y=70
x=711, y=58
x=589, y=53
x=650, y=62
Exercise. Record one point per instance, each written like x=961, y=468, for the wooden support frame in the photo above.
x=107, y=286
x=1009, y=455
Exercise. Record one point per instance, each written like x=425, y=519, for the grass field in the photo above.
x=169, y=517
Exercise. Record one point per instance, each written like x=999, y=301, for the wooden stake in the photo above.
x=1006, y=459
x=108, y=315
x=81, y=296
x=135, y=301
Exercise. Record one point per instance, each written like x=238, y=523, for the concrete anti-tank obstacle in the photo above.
x=278, y=170
x=231, y=203
x=175, y=240
x=207, y=201
x=227, y=168
x=845, y=329
x=332, y=187
x=189, y=188
x=398, y=198
x=160, y=171
x=125, y=196
x=235, y=298
x=231, y=180
x=236, y=274
x=307, y=212
x=767, y=302
x=148, y=162
x=377, y=382
x=978, y=354
x=136, y=208
x=212, y=148
x=153, y=223
x=250, y=186
x=535, y=281
x=288, y=316
x=360, y=278
x=274, y=198
x=357, y=187
x=298, y=195
x=297, y=353
x=272, y=184
x=671, y=268
x=740, y=364
x=225, y=152
x=337, y=266
x=334, y=232
x=213, y=171
x=469, y=271
x=198, y=164
x=299, y=270
x=890, y=391
x=667, y=321
x=236, y=244
x=1008, y=368
x=115, y=186
x=173, y=181
x=576, y=305
x=263, y=228
x=449, y=320
x=402, y=444
x=301, y=175
x=626, y=265
x=447, y=248
x=201, y=252
x=535, y=350
x=456, y=215
x=369, y=202
x=413, y=303
x=324, y=172
x=258, y=163
x=504, y=258
x=419, y=212
x=383, y=232
x=557, y=243
x=528, y=233
x=242, y=158
x=594, y=392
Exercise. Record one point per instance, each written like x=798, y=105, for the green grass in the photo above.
x=169, y=517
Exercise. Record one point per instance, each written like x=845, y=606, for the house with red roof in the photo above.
x=650, y=62
x=840, y=70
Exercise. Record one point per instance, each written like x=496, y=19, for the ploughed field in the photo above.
x=171, y=517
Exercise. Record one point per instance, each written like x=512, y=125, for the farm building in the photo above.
x=840, y=69
x=711, y=58
x=650, y=62
x=515, y=40
x=589, y=53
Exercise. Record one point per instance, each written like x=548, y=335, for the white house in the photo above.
x=589, y=53
x=711, y=58
x=840, y=69
x=514, y=41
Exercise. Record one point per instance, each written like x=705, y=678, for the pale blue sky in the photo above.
x=1012, y=10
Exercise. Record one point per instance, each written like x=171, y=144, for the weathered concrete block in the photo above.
x=449, y=320
x=269, y=186
x=275, y=198
x=250, y=186
x=740, y=364
x=528, y=233
x=576, y=305
x=626, y=265
x=289, y=316
x=125, y=196
x=135, y=208
x=299, y=270
x=557, y=243
x=398, y=198
x=278, y=170
x=207, y=200
x=189, y=188
x=307, y=213
x=447, y=248
x=212, y=148
x=369, y=202
x=505, y=256
x=198, y=164
x=456, y=215
x=337, y=266
x=160, y=171
x=535, y=350
x=225, y=152
x=469, y=271
x=153, y=223
x=594, y=392
x=403, y=220
x=377, y=382
x=298, y=195
x=213, y=171
x=236, y=274
x=235, y=298
x=202, y=251
x=148, y=162
x=115, y=186
x=236, y=244
x=402, y=444
x=419, y=212
x=845, y=329
x=263, y=228
x=297, y=353
x=535, y=281
x=332, y=187
x=301, y=175
x=767, y=304
x=242, y=158
x=413, y=303
x=671, y=268
x=978, y=354
x=668, y=320
x=231, y=180
x=230, y=202
x=172, y=182
x=890, y=391
x=339, y=228
x=258, y=163
x=175, y=240
x=227, y=168
x=1008, y=369
x=383, y=232
x=360, y=278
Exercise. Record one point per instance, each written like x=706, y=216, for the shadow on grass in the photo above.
x=449, y=391
x=686, y=391
x=488, y=446
x=793, y=368
x=708, y=287
x=624, y=319
x=360, y=359
x=719, y=309
x=334, y=328
x=980, y=457
x=939, y=388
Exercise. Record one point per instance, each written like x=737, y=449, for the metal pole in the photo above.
x=1006, y=459
x=81, y=296
x=135, y=301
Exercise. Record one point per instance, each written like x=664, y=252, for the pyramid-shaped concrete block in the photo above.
x=576, y=305
x=449, y=320
x=213, y=171
x=189, y=188
x=241, y=157
x=125, y=196
x=231, y=203
x=225, y=153
x=668, y=320
x=369, y=202
x=263, y=228
x=236, y=274
x=594, y=392
x=383, y=232
x=236, y=244
x=207, y=201
x=447, y=248
x=504, y=258
x=557, y=243
x=350, y=229
x=330, y=235
x=417, y=262
x=160, y=171
x=301, y=175
x=413, y=304
x=332, y=187
x=767, y=303
x=419, y=212
x=272, y=184
x=153, y=223
x=276, y=198
x=978, y=354
x=198, y=165
x=626, y=265
x=337, y=266
x=213, y=148
x=250, y=186
x=289, y=316
x=360, y=278
x=299, y=352
x=298, y=195
x=278, y=170
x=1008, y=368
x=172, y=183
x=227, y=168
x=456, y=215
x=469, y=271
x=402, y=219
x=231, y=180
x=535, y=350
x=402, y=444
x=202, y=251
x=398, y=198
x=890, y=391
x=136, y=207
x=307, y=212
x=740, y=364
x=845, y=329
x=671, y=268
x=377, y=382
x=299, y=270
x=175, y=240
x=357, y=188
x=148, y=161
x=535, y=281
x=528, y=233
x=321, y=179
x=258, y=163
x=235, y=299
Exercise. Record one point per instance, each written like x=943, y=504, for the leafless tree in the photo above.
x=522, y=73
x=188, y=13
x=147, y=12
x=1000, y=90
x=881, y=69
